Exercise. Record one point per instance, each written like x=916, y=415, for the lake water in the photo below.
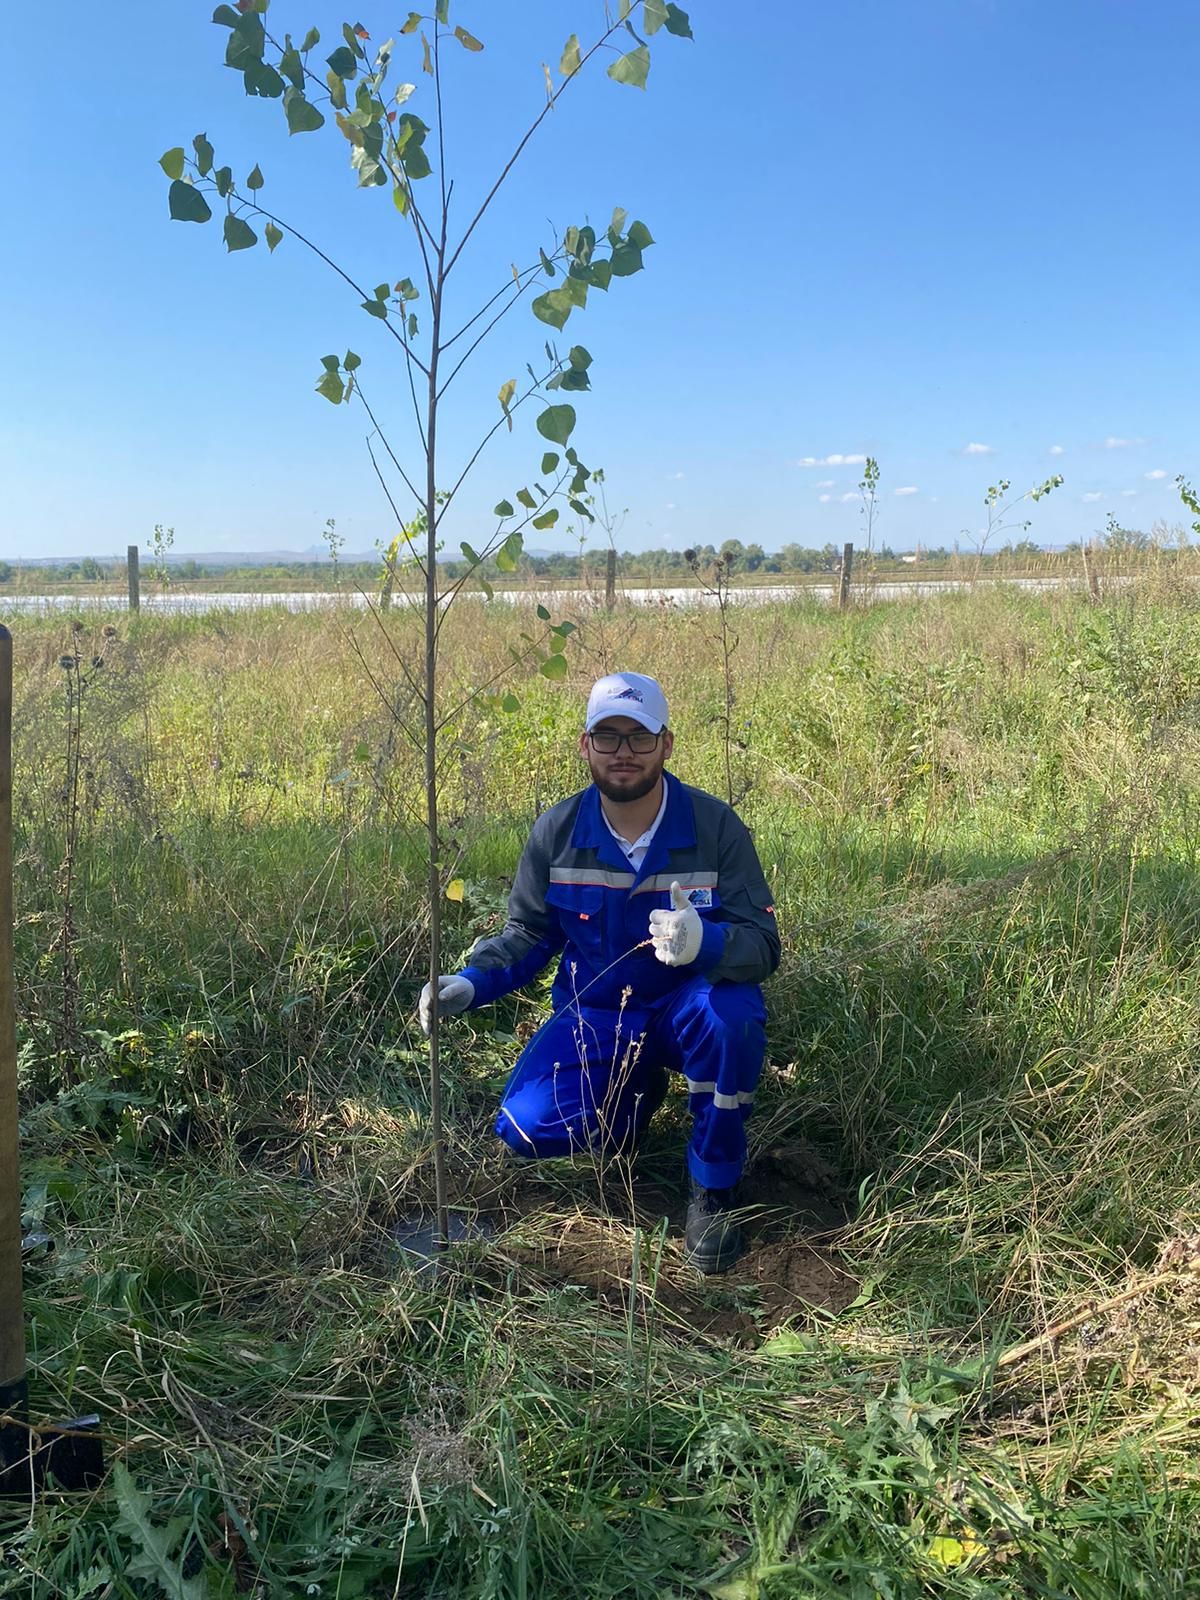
x=180, y=600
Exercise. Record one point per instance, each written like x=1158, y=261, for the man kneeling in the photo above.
x=654, y=894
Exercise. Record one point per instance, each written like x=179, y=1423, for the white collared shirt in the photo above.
x=635, y=853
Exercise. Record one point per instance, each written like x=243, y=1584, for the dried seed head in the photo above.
x=108, y=631
x=76, y=626
x=66, y=662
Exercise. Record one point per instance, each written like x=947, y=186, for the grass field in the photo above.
x=980, y=1119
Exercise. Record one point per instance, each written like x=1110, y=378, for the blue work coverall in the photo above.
x=593, y=1075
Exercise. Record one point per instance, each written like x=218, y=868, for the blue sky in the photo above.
x=958, y=235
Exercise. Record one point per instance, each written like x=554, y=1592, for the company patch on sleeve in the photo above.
x=701, y=899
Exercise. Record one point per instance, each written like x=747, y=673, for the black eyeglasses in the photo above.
x=607, y=741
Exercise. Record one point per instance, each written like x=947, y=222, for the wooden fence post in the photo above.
x=844, y=576
x=1093, y=581
x=610, y=581
x=135, y=594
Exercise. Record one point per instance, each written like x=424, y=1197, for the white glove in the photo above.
x=454, y=995
x=676, y=934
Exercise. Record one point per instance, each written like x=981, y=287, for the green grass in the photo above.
x=979, y=816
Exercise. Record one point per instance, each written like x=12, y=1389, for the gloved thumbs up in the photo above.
x=676, y=934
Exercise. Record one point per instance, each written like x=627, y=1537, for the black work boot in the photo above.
x=712, y=1240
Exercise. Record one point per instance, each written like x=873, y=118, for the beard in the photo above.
x=622, y=790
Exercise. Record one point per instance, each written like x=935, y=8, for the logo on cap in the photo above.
x=630, y=694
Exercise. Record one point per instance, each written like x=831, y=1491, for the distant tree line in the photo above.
x=584, y=563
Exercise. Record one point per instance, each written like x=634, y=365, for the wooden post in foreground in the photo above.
x=610, y=581
x=14, y=1439
x=135, y=593
x=844, y=576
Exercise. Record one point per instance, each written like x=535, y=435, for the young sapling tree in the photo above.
x=402, y=154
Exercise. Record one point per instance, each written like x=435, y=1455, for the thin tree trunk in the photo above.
x=431, y=766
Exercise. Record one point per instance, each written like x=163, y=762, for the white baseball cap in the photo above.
x=627, y=694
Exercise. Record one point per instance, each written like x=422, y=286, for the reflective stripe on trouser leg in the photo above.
x=583, y=1082
x=717, y=1038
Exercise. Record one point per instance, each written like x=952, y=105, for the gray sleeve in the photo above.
x=751, y=951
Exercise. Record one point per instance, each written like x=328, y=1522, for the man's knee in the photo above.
x=726, y=1013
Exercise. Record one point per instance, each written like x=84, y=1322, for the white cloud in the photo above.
x=670, y=506
x=846, y=498
x=675, y=476
x=1092, y=495
x=824, y=499
x=831, y=461
x=978, y=450
x=826, y=483
x=1156, y=474
x=1113, y=443
x=1056, y=450
x=1128, y=494
x=909, y=488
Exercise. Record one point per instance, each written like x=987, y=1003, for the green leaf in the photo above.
x=600, y=274
x=407, y=289
x=557, y=423
x=351, y=362
x=558, y=642
x=413, y=23
x=382, y=291
x=467, y=40
x=260, y=78
x=377, y=308
x=246, y=42
x=632, y=68
x=311, y=38
x=274, y=235
x=441, y=11
x=553, y=307
x=654, y=14
x=344, y=62
x=626, y=260
x=187, y=204
x=226, y=16
x=292, y=66
x=156, y=1556
x=302, y=115
x=569, y=64
x=508, y=389
x=575, y=378
x=678, y=23
x=470, y=554
x=204, y=154
x=330, y=363
x=550, y=461
x=509, y=554
x=547, y=264
x=543, y=614
x=400, y=199
x=546, y=520
x=255, y=180
x=510, y=703
x=503, y=508
x=337, y=91
x=579, y=357
x=412, y=324
x=239, y=235
x=526, y=499
x=331, y=386
x=580, y=510
x=554, y=667
x=223, y=178
x=171, y=161
x=639, y=235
